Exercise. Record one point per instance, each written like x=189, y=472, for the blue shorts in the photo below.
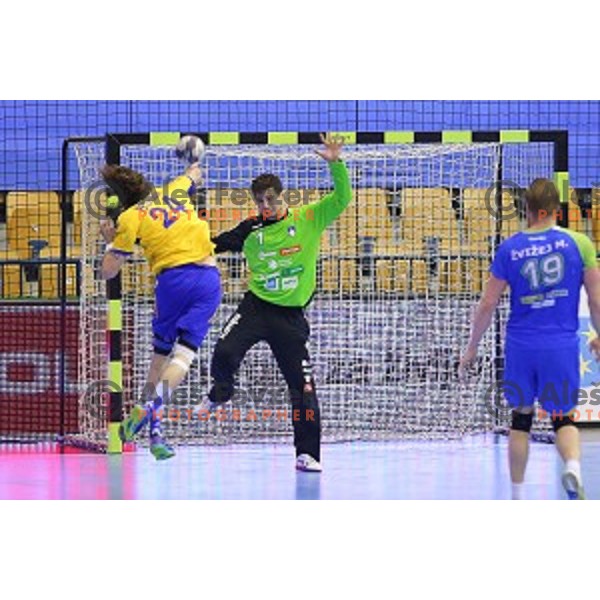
x=551, y=376
x=186, y=299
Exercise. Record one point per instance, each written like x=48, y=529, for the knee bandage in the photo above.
x=183, y=357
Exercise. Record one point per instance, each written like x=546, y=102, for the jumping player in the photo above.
x=545, y=267
x=177, y=245
x=273, y=307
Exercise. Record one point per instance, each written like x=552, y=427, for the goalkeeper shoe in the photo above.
x=573, y=486
x=305, y=462
x=159, y=448
x=134, y=423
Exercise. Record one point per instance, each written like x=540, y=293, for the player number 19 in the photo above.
x=543, y=272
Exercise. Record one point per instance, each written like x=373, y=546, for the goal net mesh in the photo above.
x=399, y=275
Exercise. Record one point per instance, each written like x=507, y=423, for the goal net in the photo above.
x=399, y=275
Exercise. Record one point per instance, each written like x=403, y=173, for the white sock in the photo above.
x=574, y=466
x=517, y=491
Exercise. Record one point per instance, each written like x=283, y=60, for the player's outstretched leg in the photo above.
x=243, y=329
x=518, y=449
x=567, y=444
x=179, y=364
x=288, y=344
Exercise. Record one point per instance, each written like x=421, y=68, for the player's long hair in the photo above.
x=129, y=185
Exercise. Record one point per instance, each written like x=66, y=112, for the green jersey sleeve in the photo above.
x=586, y=249
x=331, y=206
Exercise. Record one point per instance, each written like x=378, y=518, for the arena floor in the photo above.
x=470, y=469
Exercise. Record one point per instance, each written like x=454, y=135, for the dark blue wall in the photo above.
x=31, y=132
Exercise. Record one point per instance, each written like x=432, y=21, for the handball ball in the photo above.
x=190, y=149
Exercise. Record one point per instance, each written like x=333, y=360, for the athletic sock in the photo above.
x=154, y=409
x=574, y=466
x=517, y=491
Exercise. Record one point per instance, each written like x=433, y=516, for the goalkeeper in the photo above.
x=179, y=251
x=273, y=308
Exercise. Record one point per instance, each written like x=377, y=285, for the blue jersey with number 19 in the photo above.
x=545, y=272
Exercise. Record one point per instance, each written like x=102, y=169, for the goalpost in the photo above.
x=399, y=275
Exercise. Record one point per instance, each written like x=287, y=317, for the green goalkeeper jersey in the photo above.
x=282, y=255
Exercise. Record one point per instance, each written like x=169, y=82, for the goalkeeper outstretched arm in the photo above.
x=232, y=240
x=331, y=206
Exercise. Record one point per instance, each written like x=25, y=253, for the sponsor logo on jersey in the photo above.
x=272, y=284
x=264, y=255
x=272, y=264
x=290, y=250
x=292, y=271
x=291, y=230
x=289, y=283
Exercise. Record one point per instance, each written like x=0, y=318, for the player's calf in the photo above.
x=567, y=443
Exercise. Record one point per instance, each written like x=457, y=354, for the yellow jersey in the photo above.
x=167, y=227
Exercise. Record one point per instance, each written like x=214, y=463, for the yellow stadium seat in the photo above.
x=480, y=218
x=77, y=220
x=396, y=275
x=49, y=285
x=12, y=279
x=329, y=274
x=428, y=213
x=384, y=275
x=348, y=277
x=385, y=247
x=338, y=274
x=402, y=275
x=87, y=214
x=477, y=273
x=418, y=278
x=479, y=224
x=33, y=216
x=373, y=215
x=451, y=274
x=595, y=216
